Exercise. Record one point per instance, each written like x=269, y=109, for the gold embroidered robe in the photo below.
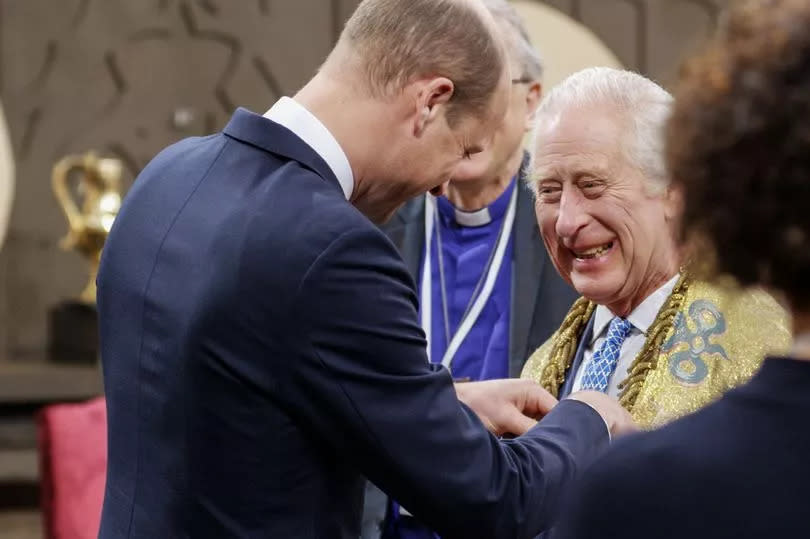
x=715, y=340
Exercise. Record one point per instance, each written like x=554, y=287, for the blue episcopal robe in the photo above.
x=484, y=353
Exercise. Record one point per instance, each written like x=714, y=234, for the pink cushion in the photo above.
x=73, y=462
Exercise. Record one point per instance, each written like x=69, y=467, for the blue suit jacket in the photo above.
x=736, y=469
x=261, y=350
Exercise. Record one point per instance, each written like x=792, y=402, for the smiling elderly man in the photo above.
x=644, y=330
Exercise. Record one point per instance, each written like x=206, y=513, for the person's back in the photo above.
x=210, y=225
x=736, y=469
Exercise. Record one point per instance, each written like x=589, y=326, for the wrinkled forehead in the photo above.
x=501, y=98
x=579, y=137
x=511, y=46
x=484, y=124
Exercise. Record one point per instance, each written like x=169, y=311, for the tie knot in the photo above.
x=619, y=328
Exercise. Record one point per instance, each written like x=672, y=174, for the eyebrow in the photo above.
x=577, y=171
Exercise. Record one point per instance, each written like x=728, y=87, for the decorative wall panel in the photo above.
x=128, y=77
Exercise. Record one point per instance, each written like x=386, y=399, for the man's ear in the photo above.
x=533, y=98
x=431, y=102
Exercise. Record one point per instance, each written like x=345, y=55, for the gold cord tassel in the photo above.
x=647, y=358
x=565, y=345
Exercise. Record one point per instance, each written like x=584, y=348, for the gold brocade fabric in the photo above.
x=716, y=339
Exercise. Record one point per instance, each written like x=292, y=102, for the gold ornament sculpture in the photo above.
x=87, y=188
x=89, y=225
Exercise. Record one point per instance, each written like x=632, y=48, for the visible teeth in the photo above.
x=594, y=252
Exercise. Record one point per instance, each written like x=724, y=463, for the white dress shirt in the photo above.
x=307, y=127
x=641, y=319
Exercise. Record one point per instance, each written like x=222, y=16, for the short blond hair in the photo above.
x=400, y=41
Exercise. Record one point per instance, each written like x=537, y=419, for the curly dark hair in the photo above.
x=739, y=143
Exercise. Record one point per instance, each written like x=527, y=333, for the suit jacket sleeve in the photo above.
x=623, y=494
x=361, y=381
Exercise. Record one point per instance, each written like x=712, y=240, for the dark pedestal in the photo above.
x=73, y=333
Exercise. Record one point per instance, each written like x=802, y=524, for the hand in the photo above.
x=506, y=406
x=617, y=418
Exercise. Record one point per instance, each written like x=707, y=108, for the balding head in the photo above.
x=412, y=89
x=395, y=42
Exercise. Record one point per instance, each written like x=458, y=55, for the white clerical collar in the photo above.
x=473, y=218
x=307, y=127
x=493, y=212
x=641, y=317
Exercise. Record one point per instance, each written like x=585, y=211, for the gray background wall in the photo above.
x=127, y=77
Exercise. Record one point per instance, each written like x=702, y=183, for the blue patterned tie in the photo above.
x=598, y=371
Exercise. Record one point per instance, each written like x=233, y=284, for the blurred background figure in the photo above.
x=488, y=293
x=737, y=145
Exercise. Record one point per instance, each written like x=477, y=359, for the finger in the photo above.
x=514, y=422
x=537, y=402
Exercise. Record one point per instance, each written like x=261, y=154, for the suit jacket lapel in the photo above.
x=527, y=272
x=587, y=335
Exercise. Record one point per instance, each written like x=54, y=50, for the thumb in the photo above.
x=538, y=402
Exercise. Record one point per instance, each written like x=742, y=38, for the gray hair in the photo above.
x=512, y=24
x=645, y=106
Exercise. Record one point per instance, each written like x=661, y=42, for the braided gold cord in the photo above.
x=565, y=345
x=647, y=358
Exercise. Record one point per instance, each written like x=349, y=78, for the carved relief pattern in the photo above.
x=129, y=77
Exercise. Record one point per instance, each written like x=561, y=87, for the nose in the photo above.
x=473, y=168
x=571, y=216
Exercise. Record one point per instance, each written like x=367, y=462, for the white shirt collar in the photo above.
x=307, y=127
x=641, y=317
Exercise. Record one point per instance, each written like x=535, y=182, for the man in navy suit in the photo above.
x=260, y=338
